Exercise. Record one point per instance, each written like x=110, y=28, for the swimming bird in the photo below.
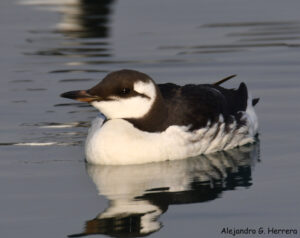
x=142, y=122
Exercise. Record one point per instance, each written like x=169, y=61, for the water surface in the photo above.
x=48, y=47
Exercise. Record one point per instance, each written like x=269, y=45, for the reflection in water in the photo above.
x=80, y=18
x=139, y=194
x=85, y=21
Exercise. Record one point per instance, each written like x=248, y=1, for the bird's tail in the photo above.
x=255, y=101
x=224, y=80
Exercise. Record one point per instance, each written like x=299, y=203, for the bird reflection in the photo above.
x=86, y=19
x=80, y=18
x=139, y=194
x=85, y=25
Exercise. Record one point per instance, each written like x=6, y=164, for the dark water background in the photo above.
x=48, y=47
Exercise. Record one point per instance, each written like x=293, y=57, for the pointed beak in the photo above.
x=80, y=95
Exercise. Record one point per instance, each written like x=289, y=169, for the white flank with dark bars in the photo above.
x=144, y=122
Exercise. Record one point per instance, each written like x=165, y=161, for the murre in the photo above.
x=146, y=122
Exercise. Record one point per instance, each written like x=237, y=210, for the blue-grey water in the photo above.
x=52, y=46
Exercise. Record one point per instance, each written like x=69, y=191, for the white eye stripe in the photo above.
x=147, y=89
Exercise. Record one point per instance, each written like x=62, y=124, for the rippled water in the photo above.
x=48, y=47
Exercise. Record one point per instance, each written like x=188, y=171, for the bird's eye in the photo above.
x=125, y=91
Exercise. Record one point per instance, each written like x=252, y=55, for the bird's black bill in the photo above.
x=80, y=95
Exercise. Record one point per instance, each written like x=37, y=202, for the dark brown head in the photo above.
x=121, y=94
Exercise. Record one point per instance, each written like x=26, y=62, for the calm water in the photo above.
x=51, y=46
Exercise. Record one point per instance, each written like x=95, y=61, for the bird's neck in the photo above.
x=155, y=119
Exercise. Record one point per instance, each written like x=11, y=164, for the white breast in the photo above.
x=119, y=142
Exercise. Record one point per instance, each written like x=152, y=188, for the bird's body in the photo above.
x=145, y=122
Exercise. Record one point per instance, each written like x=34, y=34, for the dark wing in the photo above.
x=169, y=90
x=195, y=105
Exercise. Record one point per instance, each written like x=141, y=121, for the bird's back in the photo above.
x=196, y=105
